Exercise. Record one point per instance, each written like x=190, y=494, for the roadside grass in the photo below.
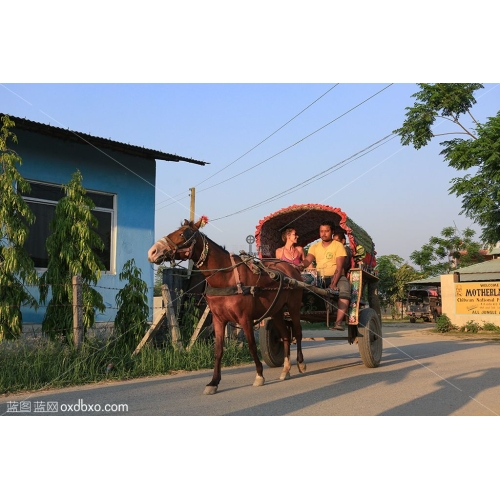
x=39, y=363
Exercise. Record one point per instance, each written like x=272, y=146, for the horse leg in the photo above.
x=219, y=327
x=285, y=335
x=247, y=326
x=297, y=333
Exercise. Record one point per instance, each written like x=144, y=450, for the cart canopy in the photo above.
x=306, y=219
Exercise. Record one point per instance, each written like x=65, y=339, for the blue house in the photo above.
x=119, y=178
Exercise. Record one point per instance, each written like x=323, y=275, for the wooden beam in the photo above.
x=171, y=319
x=198, y=328
x=153, y=330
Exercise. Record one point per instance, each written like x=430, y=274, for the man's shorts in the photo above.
x=343, y=285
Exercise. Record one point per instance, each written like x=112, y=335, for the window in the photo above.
x=43, y=199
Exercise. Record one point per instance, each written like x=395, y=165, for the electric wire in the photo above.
x=320, y=175
x=291, y=146
x=257, y=145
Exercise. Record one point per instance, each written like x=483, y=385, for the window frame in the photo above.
x=112, y=211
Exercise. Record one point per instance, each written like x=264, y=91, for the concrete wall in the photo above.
x=449, y=301
x=131, y=178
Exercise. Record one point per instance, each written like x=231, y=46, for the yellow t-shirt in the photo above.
x=326, y=257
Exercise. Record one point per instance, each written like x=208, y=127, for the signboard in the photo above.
x=477, y=298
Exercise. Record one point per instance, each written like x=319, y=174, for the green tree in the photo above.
x=448, y=251
x=16, y=267
x=387, y=266
x=394, y=274
x=70, y=249
x=480, y=151
x=403, y=276
x=131, y=321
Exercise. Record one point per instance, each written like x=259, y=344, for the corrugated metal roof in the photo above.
x=484, y=271
x=432, y=280
x=81, y=138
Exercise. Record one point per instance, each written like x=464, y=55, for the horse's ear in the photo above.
x=185, y=223
x=202, y=222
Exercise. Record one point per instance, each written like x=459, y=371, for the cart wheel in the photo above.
x=271, y=345
x=370, y=338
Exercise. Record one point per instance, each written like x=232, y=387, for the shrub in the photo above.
x=131, y=321
x=471, y=326
x=491, y=327
x=444, y=324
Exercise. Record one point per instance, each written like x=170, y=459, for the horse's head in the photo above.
x=178, y=245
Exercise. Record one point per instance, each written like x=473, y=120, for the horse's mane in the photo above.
x=221, y=248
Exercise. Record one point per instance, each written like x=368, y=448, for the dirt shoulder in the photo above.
x=430, y=330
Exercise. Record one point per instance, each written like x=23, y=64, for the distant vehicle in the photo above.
x=424, y=303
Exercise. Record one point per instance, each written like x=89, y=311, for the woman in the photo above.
x=290, y=252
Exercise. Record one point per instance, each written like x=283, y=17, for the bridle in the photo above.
x=189, y=241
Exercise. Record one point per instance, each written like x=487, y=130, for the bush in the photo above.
x=491, y=327
x=444, y=324
x=470, y=326
x=131, y=320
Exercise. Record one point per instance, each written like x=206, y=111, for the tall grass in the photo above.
x=40, y=363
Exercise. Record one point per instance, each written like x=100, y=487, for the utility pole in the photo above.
x=191, y=218
x=192, y=212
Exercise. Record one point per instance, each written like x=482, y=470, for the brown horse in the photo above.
x=239, y=292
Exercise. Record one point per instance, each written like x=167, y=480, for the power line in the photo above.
x=261, y=142
x=318, y=176
x=293, y=145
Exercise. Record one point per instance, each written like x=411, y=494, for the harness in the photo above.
x=173, y=248
x=241, y=289
x=248, y=260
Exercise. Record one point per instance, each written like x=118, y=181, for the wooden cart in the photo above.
x=364, y=321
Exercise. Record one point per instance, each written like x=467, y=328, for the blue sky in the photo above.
x=399, y=195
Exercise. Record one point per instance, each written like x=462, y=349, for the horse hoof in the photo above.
x=302, y=367
x=259, y=381
x=285, y=375
x=210, y=389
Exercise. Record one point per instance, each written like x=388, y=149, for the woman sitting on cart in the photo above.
x=290, y=252
x=330, y=256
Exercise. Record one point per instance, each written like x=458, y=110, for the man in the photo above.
x=339, y=235
x=330, y=256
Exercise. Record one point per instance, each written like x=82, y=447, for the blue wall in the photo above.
x=131, y=178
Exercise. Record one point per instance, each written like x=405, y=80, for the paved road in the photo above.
x=422, y=373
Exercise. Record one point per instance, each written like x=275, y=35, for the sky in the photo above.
x=265, y=143
x=212, y=81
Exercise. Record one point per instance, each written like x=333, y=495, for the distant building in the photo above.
x=469, y=293
x=119, y=178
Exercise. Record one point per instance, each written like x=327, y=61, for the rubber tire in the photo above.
x=412, y=319
x=370, y=338
x=271, y=345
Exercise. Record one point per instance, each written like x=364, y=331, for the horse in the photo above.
x=238, y=291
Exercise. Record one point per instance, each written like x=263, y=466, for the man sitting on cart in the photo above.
x=330, y=256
